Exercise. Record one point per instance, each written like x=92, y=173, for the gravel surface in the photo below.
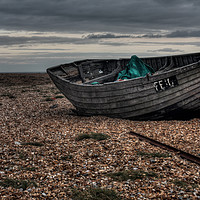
x=42, y=158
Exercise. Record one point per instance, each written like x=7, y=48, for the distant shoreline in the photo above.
x=26, y=78
x=22, y=72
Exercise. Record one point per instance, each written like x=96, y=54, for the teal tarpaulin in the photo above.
x=135, y=68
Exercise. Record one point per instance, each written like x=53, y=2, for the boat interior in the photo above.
x=95, y=70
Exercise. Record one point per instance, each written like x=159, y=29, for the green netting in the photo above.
x=135, y=68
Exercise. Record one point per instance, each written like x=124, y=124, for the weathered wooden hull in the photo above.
x=169, y=94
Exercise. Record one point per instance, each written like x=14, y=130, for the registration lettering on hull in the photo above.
x=166, y=83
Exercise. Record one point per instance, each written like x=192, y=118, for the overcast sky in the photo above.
x=37, y=34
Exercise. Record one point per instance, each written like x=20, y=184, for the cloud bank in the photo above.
x=93, y=28
x=126, y=16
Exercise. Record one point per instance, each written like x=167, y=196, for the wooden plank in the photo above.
x=192, y=103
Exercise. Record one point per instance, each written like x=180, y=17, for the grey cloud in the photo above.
x=29, y=41
x=7, y=40
x=90, y=39
x=115, y=43
x=40, y=49
x=150, y=36
x=167, y=50
x=174, y=34
x=126, y=16
x=184, y=34
x=105, y=36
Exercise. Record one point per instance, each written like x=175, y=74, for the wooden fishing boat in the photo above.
x=172, y=91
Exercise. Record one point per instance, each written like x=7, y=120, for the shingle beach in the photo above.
x=43, y=157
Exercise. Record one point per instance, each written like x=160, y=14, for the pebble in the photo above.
x=44, y=194
x=54, y=106
x=17, y=143
x=62, y=163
